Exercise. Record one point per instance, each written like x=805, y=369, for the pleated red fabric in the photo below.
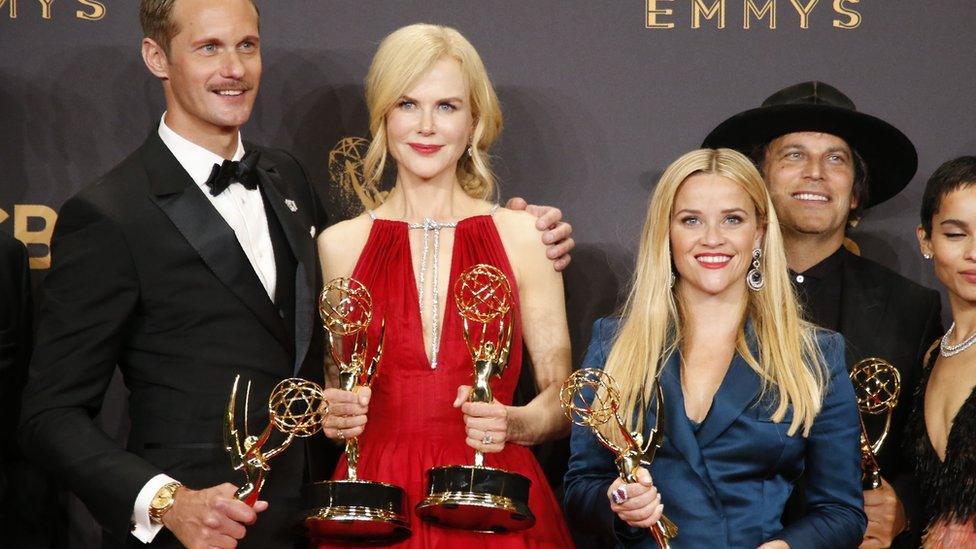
x=412, y=424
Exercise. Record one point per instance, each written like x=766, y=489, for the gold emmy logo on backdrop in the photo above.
x=659, y=14
x=346, y=174
x=590, y=398
x=480, y=498
x=97, y=9
x=877, y=384
x=353, y=510
x=295, y=407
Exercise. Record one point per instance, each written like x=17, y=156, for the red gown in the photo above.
x=412, y=424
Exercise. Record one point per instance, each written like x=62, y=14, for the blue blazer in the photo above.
x=726, y=483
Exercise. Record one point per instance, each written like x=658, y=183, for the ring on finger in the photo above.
x=341, y=434
x=487, y=438
x=619, y=495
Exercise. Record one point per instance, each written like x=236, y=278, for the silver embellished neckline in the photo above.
x=429, y=226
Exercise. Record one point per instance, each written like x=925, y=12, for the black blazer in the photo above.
x=148, y=276
x=885, y=315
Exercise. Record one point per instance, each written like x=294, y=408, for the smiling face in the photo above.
x=714, y=230
x=212, y=70
x=810, y=178
x=952, y=243
x=430, y=126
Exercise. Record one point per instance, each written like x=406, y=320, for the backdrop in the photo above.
x=598, y=98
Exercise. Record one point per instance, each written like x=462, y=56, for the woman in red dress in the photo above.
x=434, y=111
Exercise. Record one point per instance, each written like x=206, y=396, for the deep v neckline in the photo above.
x=415, y=296
x=933, y=358
x=447, y=320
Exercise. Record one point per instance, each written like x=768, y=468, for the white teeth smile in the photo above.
x=714, y=258
x=810, y=196
x=230, y=93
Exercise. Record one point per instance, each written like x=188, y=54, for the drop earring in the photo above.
x=754, y=278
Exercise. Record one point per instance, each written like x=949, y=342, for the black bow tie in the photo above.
x=222, y=175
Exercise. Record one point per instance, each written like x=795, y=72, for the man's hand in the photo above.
x=556, y=233
x=211, y=517
x=886, y=517
x=775, y=544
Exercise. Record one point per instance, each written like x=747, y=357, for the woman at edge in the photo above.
x=753, y=395
x=434, y=112
x=943, y=423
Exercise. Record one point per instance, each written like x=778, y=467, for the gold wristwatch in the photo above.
x=163, y=501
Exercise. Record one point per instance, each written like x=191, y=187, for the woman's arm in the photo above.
x=339, y=248
x=835, y=505
x=544, y=330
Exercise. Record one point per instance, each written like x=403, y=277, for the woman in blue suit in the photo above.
x=753, y=395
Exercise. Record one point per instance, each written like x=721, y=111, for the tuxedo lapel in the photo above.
x=303, y=247
x=677, y=430
x=862, y=308
x=207, y=232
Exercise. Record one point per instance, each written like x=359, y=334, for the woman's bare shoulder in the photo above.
x=340, y=244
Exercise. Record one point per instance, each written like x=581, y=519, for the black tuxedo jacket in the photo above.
x=885, y=315
x=148, y=276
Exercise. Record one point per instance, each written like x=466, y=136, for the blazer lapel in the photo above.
x=303, y=247
x=862, y=308
x=739, y=389
x=207, y=232
x=677, y=429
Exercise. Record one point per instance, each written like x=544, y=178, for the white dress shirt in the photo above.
x=243, y=210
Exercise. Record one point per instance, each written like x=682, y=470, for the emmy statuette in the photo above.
x=353, y=510
x=479, y=498
x=296, y=408
x=590, y=398
x=877, y=385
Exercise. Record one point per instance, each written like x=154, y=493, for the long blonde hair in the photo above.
x=402, y=58
x=789, y=362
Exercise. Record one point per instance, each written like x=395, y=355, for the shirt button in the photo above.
x=800, y=279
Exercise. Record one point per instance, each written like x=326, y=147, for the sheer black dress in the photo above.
x=947, y=488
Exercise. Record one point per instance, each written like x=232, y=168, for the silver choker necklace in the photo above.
x=947, y=350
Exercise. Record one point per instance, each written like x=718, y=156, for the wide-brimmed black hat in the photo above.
x=818, y=107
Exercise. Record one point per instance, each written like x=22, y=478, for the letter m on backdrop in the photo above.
x=12, y=8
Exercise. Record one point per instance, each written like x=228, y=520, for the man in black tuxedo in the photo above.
x=190, y=262
x=825, y=163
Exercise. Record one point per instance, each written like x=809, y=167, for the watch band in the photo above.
x=163, y=501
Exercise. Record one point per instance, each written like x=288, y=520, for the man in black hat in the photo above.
x=825, y=163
